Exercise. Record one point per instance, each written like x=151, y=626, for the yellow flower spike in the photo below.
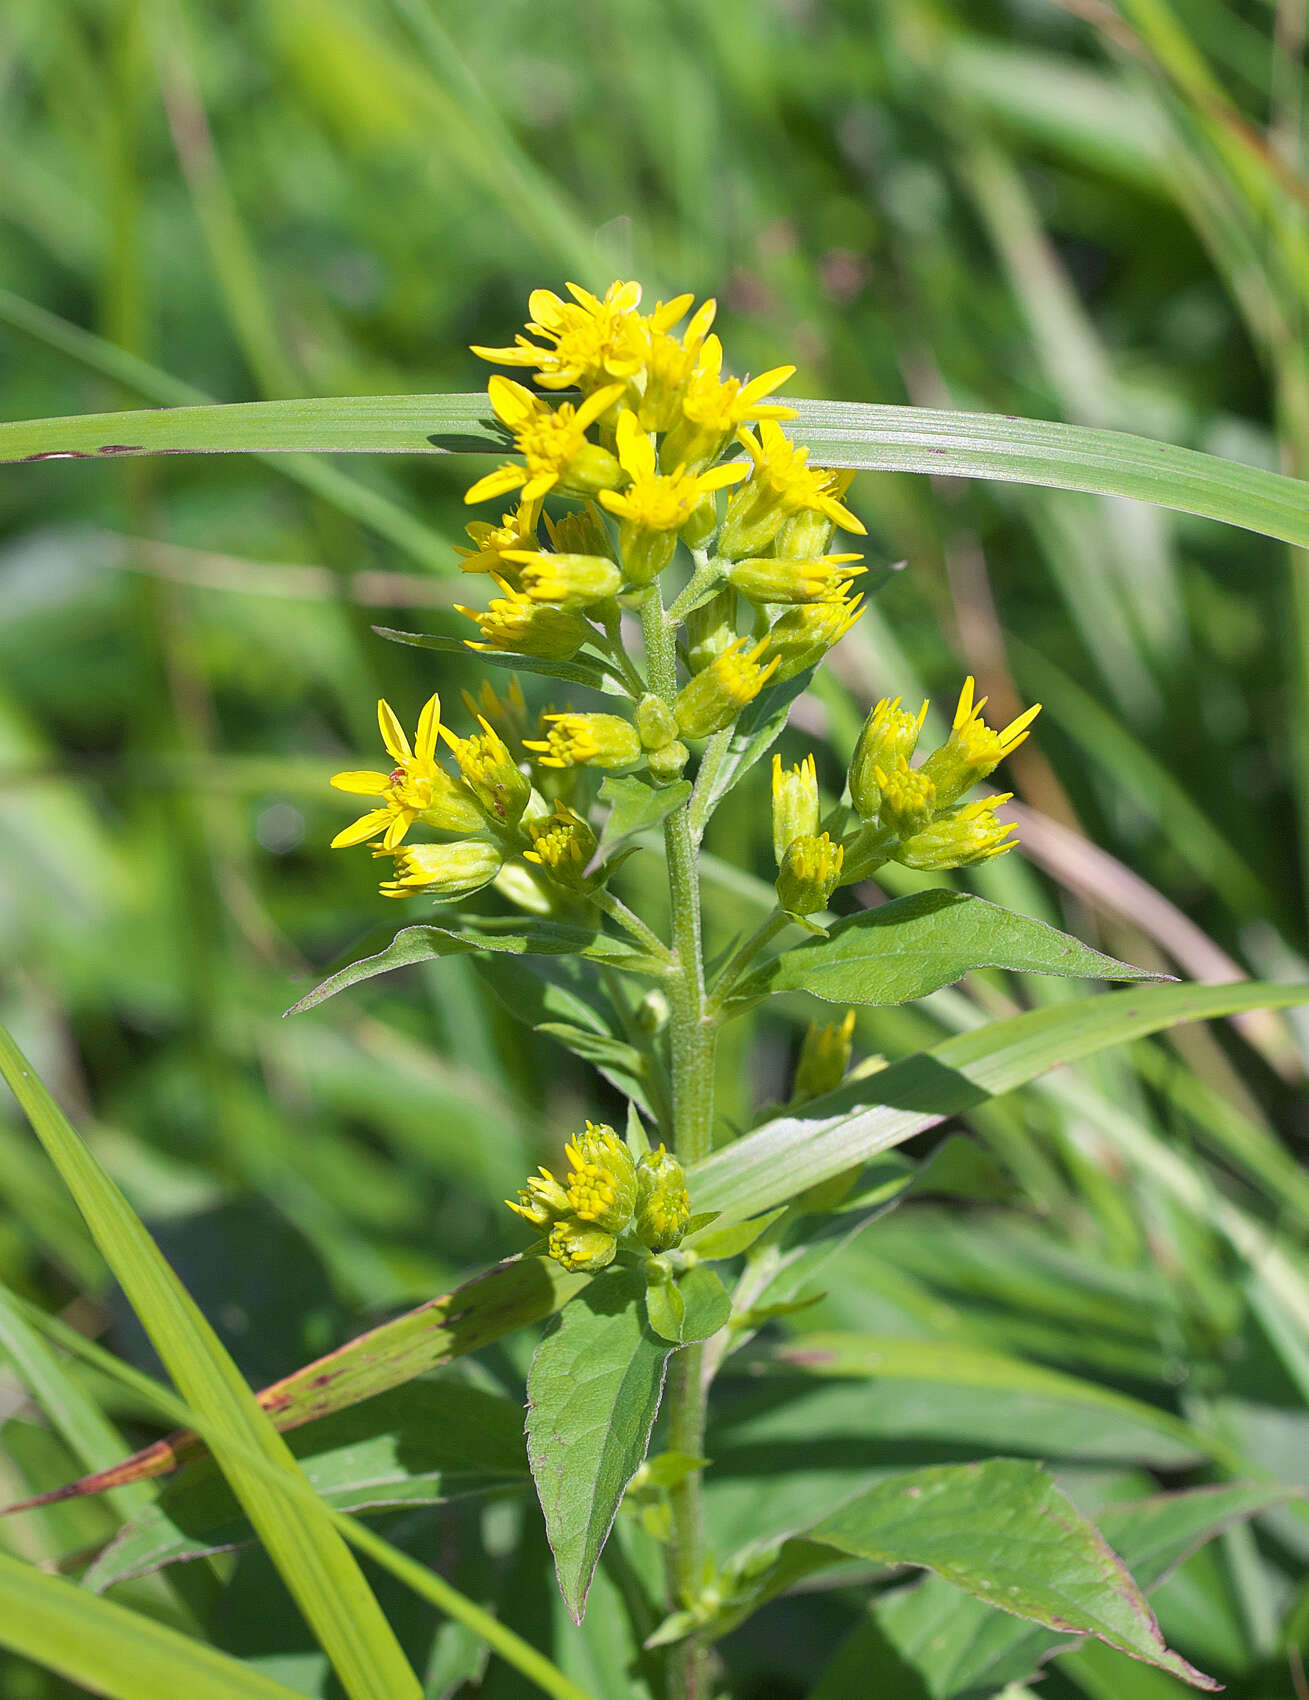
x=713, y=698
x=908, y=797
x=805, y=633
x=810, y=873
x=710, y=409
x=442, y=871
x=602, y=1186
x=514, y=623
x=567, y=581
x=973, y=750
x=888, y=734
x=587, y=740
x=416, y=788
x=781, y=483
x=770, y=579
x=795, y=804
x=563, y=844
x=489, y=772
x=663, y=1208
x=594, y=341
x=517, y=530
x=655, y=506
x=959, y=837
x=552, y=442
x=824, y=1058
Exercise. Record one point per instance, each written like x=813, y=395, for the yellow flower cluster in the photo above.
x=605, y=1196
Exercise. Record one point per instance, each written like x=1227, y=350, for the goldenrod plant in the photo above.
x=657, y=603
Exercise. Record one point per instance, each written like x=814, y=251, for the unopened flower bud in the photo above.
x=581, y=1247
x=710, y=629
x=602, y=1186
x=587, y=740
x=651, y=1014
x=442, y=870
x=703, y=522
x=809, y=531
x=655, y=723
x=809, y=874
x=663, y=1208
x=542, y=1201
x=973, y=750
x=563, y=844
x=714, y=698
x=960, y=836
x=889, y=735
x=582, y=532
x=645, y=553
x=667, y=763
x=824, y=1058
x=514, y=622
x=795, y=804
x=908, y=798
x=566, y=581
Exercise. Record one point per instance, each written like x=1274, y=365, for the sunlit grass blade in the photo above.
x=842, y=434
x=112, y=1651
x=314, y=1561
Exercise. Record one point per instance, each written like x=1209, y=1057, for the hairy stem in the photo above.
x=692, y=1041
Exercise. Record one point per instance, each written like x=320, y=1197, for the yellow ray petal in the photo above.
x=429, y=722
x=361, y=782
x=364, y=828
x=393, y=733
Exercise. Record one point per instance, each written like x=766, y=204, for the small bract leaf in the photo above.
x=637, y=805
x=581, y=670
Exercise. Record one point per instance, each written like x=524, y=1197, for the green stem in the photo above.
x=692, y=1039
x=767, y=929
x=631, y=923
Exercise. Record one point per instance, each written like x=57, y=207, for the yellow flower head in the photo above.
x=587, y=740
x=516, y=623
x=781, y=483
x=824, y=1058
x=671, y=362
x=542, y=1201
x=416, y=786
x=958, y=837
x=908, y=797
x=714, y=697
x=442, y=870
x=507, y=713
x=594, y=342
x=805, y=633
x=493, y=543
x=973, y=749
x=768, y=578
x=795, y=803
x=663, y=1208
x=552, y=442
x=568, y=581
x=489, y=772
x=888, y=734
x=563, y=844
x=809, y=874
x=580, y=1246
x=710, y=407
x=602, y=1185
x=655, y=501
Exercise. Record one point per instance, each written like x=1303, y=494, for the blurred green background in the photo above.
x=1074, y=211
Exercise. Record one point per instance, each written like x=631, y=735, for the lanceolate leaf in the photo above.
x=1003, y=1532
x=510, y=1296
x=794, y=1152
x=842, y=434
x=582, y=670
x=533, y=938
x=419, y=1445
x=592, y=1396
x=914, y=945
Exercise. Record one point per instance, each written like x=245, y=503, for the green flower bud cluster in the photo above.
x=606, y=1196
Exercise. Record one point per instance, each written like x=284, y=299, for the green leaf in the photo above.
x=691, y=1308
x=510, y=1296
x=425, y=943
x=842, y=434
x=637, y=805
x=581, y=670
x=915, y=945
x=882, y=1110
x=108, y=1650
x=593, y=1393
x=313, y=1559
x=961, y=1387
x=713, y=1244
x=1003, y=1532
x=420, y=1445
x=963, y=1647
